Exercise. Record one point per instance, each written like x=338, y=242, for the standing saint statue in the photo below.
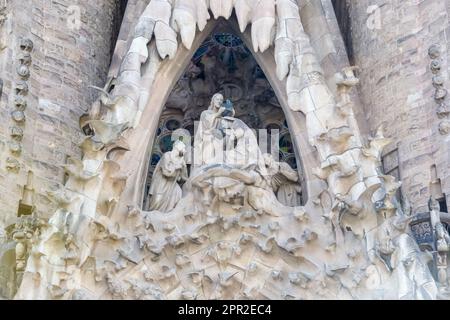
x=170, y=171
x=209, y=143
x=284, y=181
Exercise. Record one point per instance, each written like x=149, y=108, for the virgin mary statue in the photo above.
x=209, y=140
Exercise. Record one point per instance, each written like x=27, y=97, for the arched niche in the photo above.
x=135, y=163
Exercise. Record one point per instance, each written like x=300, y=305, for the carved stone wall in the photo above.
x=66, y=59
x=390, y=42
x=49, y=82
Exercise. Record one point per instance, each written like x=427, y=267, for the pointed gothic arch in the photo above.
x=135, y=162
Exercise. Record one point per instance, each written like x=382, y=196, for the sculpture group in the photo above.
x=226, y=158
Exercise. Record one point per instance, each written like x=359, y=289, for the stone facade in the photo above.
x=68, y=56
x=390, y=41
x=74, y=158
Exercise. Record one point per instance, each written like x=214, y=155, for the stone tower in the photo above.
x=50, y=53
x=69, y=54
x=390, y=41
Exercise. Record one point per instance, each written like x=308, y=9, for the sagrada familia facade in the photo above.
x=224, y=149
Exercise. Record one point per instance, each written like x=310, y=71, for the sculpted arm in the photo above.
x=288, y=172
x=219, y=113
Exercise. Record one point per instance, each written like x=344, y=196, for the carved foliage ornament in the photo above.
x=443, y=110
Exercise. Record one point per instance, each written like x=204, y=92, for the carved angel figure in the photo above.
x=284, y=181
x=171, y=170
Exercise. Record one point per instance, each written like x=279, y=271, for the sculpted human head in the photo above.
x=179, y=148
x=216, y=102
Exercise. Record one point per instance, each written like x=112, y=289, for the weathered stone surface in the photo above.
x=48, y=58
x=401, y=46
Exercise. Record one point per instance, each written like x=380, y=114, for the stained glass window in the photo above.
x=286, y=144
x=155, y=159
x=228, y=40
x=173, y=125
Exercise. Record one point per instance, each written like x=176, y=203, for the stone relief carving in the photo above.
x=18, y=116
x=443, y=110
x=229, y=237
x=12, y=165
x=444, y=127
x=14, y=252
x=20, y=102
